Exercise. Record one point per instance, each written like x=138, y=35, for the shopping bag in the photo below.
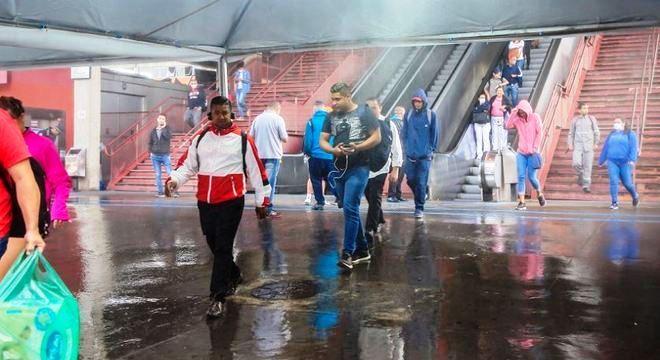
x=39, y=316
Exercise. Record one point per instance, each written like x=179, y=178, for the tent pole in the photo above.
x=223, y=78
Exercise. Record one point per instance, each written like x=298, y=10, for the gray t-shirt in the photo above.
x=352, y=127
x=269, y=131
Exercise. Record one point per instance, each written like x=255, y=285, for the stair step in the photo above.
x=468, y=197
x=473, y=180
x=471, y=189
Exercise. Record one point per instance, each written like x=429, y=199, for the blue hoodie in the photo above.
x=620, y=147
x=419, y=136
x=311, y=144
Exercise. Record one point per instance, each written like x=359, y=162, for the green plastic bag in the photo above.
x=38, y=314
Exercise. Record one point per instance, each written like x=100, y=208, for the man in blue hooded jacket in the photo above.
x=320, y=162
x=420, y=140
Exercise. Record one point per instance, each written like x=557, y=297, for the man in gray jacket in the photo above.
x=583, y=139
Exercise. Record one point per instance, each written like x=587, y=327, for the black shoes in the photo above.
x=361, y=256
x=521, y=206
x=541, y=199
x=216, y=309
x=346, y=261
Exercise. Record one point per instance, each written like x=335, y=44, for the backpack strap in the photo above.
x=199, y=139
x=244, y=151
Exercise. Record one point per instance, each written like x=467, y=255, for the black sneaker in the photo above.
x=392, y=199
x=401, y=199
x=614, y=206
x=318, y=207
x=586, y=190
x=216, y=309
x=346, y=261
x=541, y=199
x=521, y=206
x=360, y=256
x=636, y=201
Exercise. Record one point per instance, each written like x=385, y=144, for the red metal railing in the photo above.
x=649, y=89
x=564, y=100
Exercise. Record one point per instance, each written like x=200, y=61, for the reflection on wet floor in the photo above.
x=470, y=285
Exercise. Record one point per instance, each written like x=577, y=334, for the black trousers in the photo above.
x=374, y=195
x=219, y=225
x=394, y=189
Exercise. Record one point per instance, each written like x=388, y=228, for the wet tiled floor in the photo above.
x=471, y=281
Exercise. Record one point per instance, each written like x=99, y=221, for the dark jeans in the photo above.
x=319, y=171
x=350, y=189
x=220, y=224
x=3, y=245
x=374, y=195
x=394, y=189
x=417, y=172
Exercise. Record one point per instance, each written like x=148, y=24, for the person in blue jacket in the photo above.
x=419, y=137
x=620, y=153
x=320, y=162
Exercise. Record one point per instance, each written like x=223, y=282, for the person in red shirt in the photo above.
x=15, y=166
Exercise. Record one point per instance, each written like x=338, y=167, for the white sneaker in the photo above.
x=308, y=200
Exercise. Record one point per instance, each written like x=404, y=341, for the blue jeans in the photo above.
x=521, y=63
x=319, y=171
x=3, y=245
x=511, y=91
x=620, y=172
x=525, y=171
x=350, y=188
x=240, y=99
x=272, y=169
x=417, y=172
x=157, y=161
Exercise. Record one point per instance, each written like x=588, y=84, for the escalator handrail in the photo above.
x=367, y=74
x=410, y=78
x=451, y=75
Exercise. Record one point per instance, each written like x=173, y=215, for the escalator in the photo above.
x=455, y=172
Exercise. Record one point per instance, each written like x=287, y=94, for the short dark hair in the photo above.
x=220, y=100
x=373, y=99
x=581, y=104
x=341, y=88
x=12, y=105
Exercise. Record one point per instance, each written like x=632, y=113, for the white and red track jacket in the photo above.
x=220, y=172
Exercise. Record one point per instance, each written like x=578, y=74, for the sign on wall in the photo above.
x=81, y=72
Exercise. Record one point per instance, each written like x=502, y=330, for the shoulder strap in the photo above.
x=197, y=144
x=244, y=151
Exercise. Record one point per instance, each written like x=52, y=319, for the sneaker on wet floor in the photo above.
x=636, y=201
x=318, y=207
x=308, y=200
x=216, y=309
x=541, y=199
x=176, y=194
x=346, y=261
x=160, y=195
x=401, y=199
x=419, y=214
x=392, y=199
x=614, y=206
x=521, y=206
x=360, y=256
x=274, y=214
x=586, y=190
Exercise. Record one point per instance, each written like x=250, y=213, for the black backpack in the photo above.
x=379, y=155
x=18, y=224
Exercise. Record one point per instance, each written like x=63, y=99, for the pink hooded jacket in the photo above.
x=58, y=183
x=529, y=131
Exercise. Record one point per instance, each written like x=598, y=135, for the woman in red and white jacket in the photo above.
x=222, y=157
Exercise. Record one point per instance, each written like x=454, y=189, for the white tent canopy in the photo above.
x=66, y=32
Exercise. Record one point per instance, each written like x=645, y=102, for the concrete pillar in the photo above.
x=87, y=125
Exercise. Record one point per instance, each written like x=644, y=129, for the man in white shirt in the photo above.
x=269, y=132
x=517, y=47
x=374, y=190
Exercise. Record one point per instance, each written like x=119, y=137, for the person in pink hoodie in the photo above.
x=43, y=150
x=528, y=124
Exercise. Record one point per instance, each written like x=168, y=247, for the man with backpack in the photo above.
x=320, y=162
x=16, y=171
x=583, y=139
x=385, y=156
x=222, y=157
x=355, y=133
x=420, y=141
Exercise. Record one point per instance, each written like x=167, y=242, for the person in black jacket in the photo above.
x=481, y=121
x=159, y=148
